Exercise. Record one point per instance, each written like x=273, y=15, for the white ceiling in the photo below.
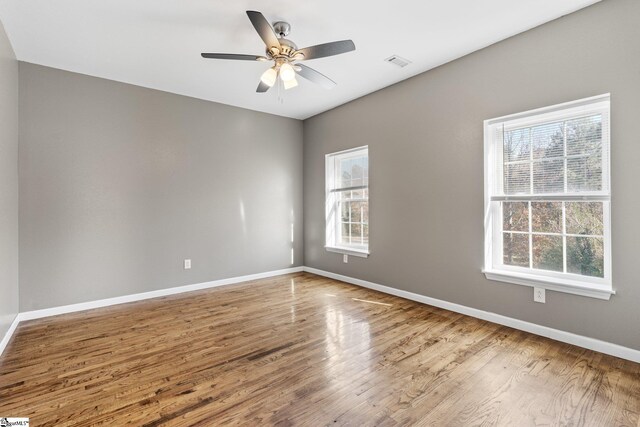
x=157, y=43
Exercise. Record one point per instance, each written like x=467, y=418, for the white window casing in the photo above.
x=548, y=198
x=347, y=202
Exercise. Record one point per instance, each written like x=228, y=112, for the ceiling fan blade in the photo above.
x=264, y=29
x=316, y=77
x=233, y=56
x=327, y=49
x=262, y=87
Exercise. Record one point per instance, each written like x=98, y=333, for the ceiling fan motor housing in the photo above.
x=282, y=28
x=287, y=47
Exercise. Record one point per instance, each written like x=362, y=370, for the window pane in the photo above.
x=353, y=172
x=585, y=256
x=585, y=218
x=345, y=173
x=515, y=216
x=515, y=249
x=584, y=135
x=585, y=173
x=355, y=233
x=548, y=177
x=547, y=253
x=356, y=210
x=357, y=172
x=345, y=211
x=345, y=234
x=516, y=179
x=365, y=234
x=546, y=217
x=517, y=145
x=548, y=140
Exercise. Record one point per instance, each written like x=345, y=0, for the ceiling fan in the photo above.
x=285, y=54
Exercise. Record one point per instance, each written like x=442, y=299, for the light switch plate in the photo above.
x=187, y=264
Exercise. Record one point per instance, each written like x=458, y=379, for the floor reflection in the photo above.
x=348, y=344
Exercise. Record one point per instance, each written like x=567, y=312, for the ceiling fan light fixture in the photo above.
x=288, y=84
x=287, y=73
x=269, y=77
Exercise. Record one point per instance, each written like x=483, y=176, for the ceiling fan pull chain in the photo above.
x=280, y=92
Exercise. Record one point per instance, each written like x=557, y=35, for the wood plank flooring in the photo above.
x=303, y=350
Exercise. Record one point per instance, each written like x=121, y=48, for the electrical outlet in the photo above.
x=345, y=258
x=187, y=264
x=539, y=295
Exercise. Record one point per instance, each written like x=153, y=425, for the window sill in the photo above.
x=348, y=251
x=559, y=285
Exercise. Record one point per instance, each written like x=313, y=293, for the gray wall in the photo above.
x=425, y=138
x=8, y=184
x=119, y=184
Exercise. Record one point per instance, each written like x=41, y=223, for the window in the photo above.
x=347, y=202
x=547, y=198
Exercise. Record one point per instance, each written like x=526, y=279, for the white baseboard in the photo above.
x=54, y=311
x=7, y=336
x=556, y=334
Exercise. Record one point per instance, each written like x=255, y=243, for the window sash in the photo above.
x=340, y=222
x=496, y=129
x=497, y=263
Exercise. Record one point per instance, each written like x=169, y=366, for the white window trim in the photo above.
x=347, y=251
x=563, y=282
x=329, y=180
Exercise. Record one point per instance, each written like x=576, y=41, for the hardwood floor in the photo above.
x=303, y=350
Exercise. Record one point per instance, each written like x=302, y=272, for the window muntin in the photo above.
x=548, y=196
x=347, y=200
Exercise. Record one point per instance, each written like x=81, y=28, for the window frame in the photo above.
x=332, y=215
x=493, y=267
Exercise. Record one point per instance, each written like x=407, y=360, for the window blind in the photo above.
x=565, y=158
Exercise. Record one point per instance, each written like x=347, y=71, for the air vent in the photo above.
x=398, y=60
